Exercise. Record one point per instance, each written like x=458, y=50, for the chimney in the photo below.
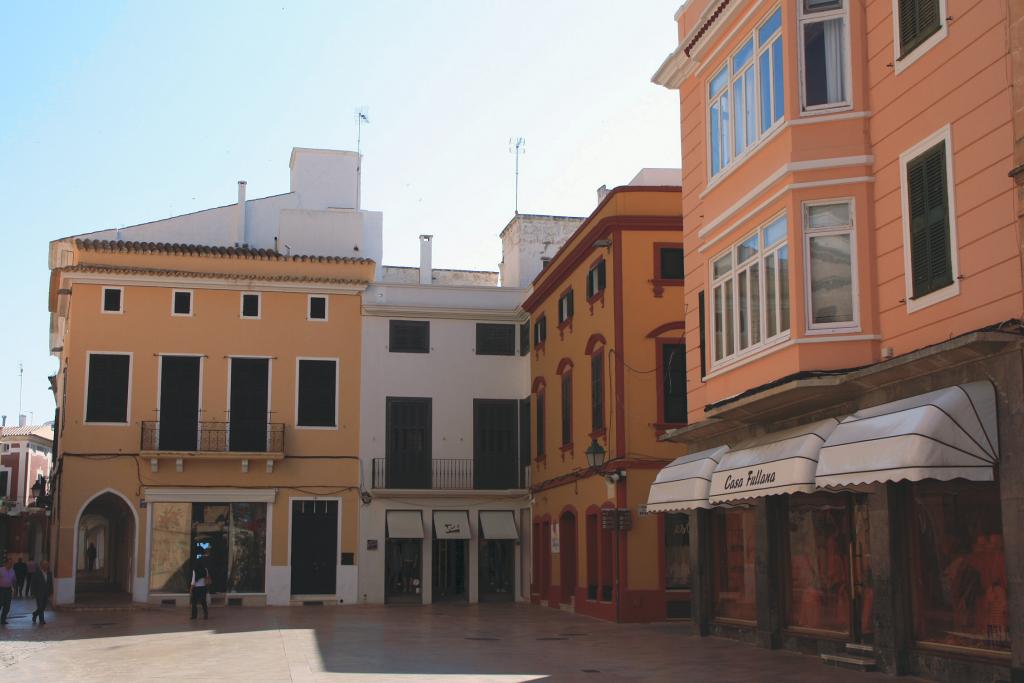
x=602, y=192
x=22, y=420
x=240, y=226
x=3, y=420
x=426, y=267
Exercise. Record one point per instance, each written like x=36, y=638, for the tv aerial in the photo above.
x=517, y=146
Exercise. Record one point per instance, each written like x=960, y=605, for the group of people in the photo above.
x=28, y=580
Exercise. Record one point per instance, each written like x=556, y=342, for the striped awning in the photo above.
x=683, y=484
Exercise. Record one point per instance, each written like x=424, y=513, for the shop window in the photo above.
x=958, y=566
x=819, y=562
x=733, y=577
x=823, y=54
x=592, y=556
x=540, y=331
x=565, y=308
x=181, y=302
x=409, y=336
x=317, y=401
x=231, y=535
x=250, y=305
x=672, y=383
x=113, y=300
x=677, y=551
x=495, y=339
x=595, y=280
x=107, y=388
x=597, y=391
x=829, y=243
x=317, y=308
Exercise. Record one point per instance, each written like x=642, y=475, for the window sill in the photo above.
x=599, y=297
x=538, y=349
x=721, y=367
x=905, y=60
x=846, y=328
x=825, y=109
x=662, y=427
x=565, y=448
x=599, y=433
x=659, y=284
x=932, y=298
x=770, y=135
x=567, y=323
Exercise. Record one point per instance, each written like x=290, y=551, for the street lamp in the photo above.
x=595, y=454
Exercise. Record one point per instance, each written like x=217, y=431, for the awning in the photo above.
x=780, y=462
x=451, y=524
x=945, y=434
x=683, y=484
x=405, y=524
x=496, y=525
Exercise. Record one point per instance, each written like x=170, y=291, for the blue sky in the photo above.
x=114, y=114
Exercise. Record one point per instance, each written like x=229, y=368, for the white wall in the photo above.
x=529, y=238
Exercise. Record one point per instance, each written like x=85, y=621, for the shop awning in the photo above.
x=405, y=524
x=451, y=524
x=780, y=462
x=496, y=525
x=683, y=484
x=945, y=434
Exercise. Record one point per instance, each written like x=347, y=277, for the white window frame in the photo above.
x=309, y=308
x=191, y=303
x=915, y=54
x=259, y=306
x=85, y=393
x=816, y=17
x=762, y=135
x=808, y=233
x=103, y=301
x=945, y=135
x=337, y=392
x=763, y=252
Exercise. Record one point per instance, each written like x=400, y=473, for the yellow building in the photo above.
x=608, y=376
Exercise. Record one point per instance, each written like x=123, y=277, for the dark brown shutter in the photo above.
x=919, y=19
x=566, y=408
x=701, y=324
x=927, y=199
x=524, y=338
x=597, y=391
x=108, y=388
x=495, y=339
x=409, y=336
x=317, y=393
x=540, y=426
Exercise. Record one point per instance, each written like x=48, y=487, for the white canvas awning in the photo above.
x=451, y=524
x=405, y=524
x=496, y=525
x=780, y=462
x=684, y=483
x=945, y=434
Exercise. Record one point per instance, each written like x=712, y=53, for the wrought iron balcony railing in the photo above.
x=444, y=475
x=215, y=437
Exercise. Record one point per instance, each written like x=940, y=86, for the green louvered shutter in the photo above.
x=930, y=262
x=919, y=19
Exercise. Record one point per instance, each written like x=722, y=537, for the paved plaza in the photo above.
x=501, y=643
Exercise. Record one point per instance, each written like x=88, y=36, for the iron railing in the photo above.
x=442, y=474
x=215, y=437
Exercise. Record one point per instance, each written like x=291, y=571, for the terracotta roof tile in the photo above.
x=130, y=270
x=114, y=246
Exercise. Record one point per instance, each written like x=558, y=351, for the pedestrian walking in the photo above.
x=42, y=588
x=7, y=580
x=90, y=554
x=201, y=581
x=21, y=573
x=31, y=569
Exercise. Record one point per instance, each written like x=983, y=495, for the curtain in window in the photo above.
x=834, y=60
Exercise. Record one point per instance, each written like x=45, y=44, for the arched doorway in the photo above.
x=105, y=549
x=567, y=532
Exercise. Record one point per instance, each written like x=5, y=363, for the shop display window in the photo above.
x=819, y=562
x=677, y=551
x=958, y=569
x=733, y=590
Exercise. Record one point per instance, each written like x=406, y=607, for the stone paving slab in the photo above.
x=376, y=643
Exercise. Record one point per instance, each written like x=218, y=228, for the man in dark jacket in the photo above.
x=42, y=589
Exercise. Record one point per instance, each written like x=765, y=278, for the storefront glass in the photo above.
x=403, y=570
x=819, y=562
x=733, y=564
x=677, y=551
x=231, y=535
x=958, y=570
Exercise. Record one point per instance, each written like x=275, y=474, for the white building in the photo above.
x=444, y=435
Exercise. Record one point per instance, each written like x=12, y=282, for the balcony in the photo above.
x=446, y=475
x=214, y=440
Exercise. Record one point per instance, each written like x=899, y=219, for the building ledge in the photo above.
x=211, y=455
x=450, y=493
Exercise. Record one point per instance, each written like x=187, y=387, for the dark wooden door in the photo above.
x=567, y=547
x=179, y=403
x=248, y=411
x=408, y=449
x=495, y=444
x=314, y=547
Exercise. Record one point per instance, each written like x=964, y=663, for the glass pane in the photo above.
x=958, y=569
x=823, y=62
x=828, y=215
x=172, y=537
x=730, y=340
x=831, y=279
x=783, y=254
x=722, y=265
x=750, y=109
x=716, y=156
x=755, y=303
x=733, y=579
x=743, y=56
x=677, y=550
x=747, y=248
x=211, y=524
x=719, y=325
x=765, y=76
x=777, y=95
x=739, y=136
x=775, y=231
x=819, y=562
x=743, y=303
x=719, y=82
x=771, y=296
x=769, y=27
x=724, y=102
x=248, y=547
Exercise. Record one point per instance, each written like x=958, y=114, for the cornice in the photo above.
x=515, y=315
x=195, y=280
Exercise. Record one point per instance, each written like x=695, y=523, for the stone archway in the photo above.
x=107, y=526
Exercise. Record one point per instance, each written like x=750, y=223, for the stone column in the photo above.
x=769, y=516
x=701, y=567
x=889, y=576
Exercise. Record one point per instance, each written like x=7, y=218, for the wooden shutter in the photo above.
x=409, y=336
x=597, y=391
x=600, y=276
x=566, y=408
x=317, y=393
x=919, y=19
x=524, y=338
x=540, y=425
x=701, y=324
x=108, y=388
x=495, y=339
x=930, y=260
x=570, y=303
x=591, y=277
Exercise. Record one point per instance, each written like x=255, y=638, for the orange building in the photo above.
x=853, y=261
x=607, y=380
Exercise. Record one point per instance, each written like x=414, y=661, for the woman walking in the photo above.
x=200, y=582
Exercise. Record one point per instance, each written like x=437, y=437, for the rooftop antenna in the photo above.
x=21, y=377
x=517, y=146
x=361, y=118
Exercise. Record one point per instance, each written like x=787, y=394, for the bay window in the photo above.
x=829, y=245
x=823, y=27
x=750, y=292
x=745, y=96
